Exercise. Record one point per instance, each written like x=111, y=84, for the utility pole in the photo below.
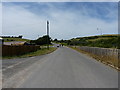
x=48, y=34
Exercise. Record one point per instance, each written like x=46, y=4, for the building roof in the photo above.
x=1, y=38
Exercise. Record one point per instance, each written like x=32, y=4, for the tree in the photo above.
x=55, y=40
x=20, y=36
x=42, y=40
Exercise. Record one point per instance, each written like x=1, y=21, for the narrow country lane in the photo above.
x=67, y=68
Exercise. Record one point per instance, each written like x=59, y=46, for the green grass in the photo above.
x=42, y=51
x=104, y=41
x=14, y=39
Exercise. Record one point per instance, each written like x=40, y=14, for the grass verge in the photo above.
x=42, y=51
x=96, y=58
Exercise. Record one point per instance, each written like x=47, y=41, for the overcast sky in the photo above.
x=67, y=20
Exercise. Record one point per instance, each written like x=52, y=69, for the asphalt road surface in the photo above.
x=64, y=68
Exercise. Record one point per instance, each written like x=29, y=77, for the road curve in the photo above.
x=67, y=68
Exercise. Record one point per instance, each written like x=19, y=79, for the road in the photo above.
x=64, y=68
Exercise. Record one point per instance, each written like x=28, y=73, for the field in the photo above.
x=104, y=41
x=14, y=39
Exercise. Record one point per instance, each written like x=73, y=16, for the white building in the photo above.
x=1, y=41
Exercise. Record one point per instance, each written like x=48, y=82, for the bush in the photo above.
x=42, y=40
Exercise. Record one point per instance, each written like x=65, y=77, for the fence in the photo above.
x=8, y=50
x=107, y=55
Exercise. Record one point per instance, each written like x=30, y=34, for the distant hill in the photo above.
x=105, y=41
x=14, y=39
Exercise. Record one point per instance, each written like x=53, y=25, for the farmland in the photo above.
x=104, y=41
x=14, y=39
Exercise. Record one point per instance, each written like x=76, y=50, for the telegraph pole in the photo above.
x=48, y=34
